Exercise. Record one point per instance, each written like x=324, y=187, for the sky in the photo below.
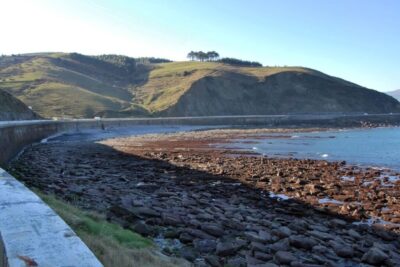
x=358, y=40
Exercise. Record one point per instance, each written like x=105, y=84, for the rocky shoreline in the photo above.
x=221, y=207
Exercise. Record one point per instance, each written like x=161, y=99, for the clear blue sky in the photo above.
x=358, y=40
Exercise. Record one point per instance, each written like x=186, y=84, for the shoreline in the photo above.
x=214, y=209
x=218, y=143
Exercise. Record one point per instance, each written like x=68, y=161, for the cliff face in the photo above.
x=281, y=93
x=13, y=109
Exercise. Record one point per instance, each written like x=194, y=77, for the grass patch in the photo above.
x=113, y=245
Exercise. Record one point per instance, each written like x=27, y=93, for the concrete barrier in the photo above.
x=31, y=230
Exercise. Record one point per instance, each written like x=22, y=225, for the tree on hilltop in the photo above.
x=191, y=55
x=203, y=56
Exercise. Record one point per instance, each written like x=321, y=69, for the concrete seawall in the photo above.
x=31, y=229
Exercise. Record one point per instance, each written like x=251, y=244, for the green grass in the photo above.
x=71, y=101
x=113, y=245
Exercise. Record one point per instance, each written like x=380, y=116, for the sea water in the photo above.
x=378, y=147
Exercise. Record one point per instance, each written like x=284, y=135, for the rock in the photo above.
x=342, y=250
x=236, y=262
x=281, y=245
x=262, y=256
x=226, y=248
x=200, y=234
x=212, y=260
x=253, y=261
x=303, y=242
x=123, y=213
x=354, y=234
x=213, y=229
x=200, y=262
x=171, y=219
x=188, y=253
x=171, y=233
x=320, y=235
x=282, y=232
x=142, y=228
x=264, y=236
x=375, y=256
x=185, y=237
x=268, y=264
x=205, y=245
x=257, y=246
x=301, y=264
x=338, y=223
x=144, y=211
x=284, y=257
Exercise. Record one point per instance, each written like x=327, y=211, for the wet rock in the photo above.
x=281, y=245
x=185, y=237
x=262, y=256
x=121, y=212
x=338, y=223
x=199, y=234
x=375, y=256
x=301, y=264
x=144, y=211
x=282, y=232
x=142, y=228
x=300, y=241
x=321, y=235
x=268, y=264
x=236, y=262
x=213, y=229
x=171, y=219
x=354, y=234
x=188, y=253
x=213, y=260
x=342, y=250
x=284, y=257
x=205, y=245
x=257, y=246
x=226, y=248
x=200, y=262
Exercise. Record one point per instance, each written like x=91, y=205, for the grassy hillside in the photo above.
x=13, y=109
x=57, y=84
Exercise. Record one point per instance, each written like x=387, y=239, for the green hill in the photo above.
x=75, y=85
x=13, y=109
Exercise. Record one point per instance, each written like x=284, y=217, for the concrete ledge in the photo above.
x=29, y=228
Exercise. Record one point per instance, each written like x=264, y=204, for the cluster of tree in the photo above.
x=125, y=63
x=239, y=62
x=151, y=60
x=203, y=56
x=214, y=56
